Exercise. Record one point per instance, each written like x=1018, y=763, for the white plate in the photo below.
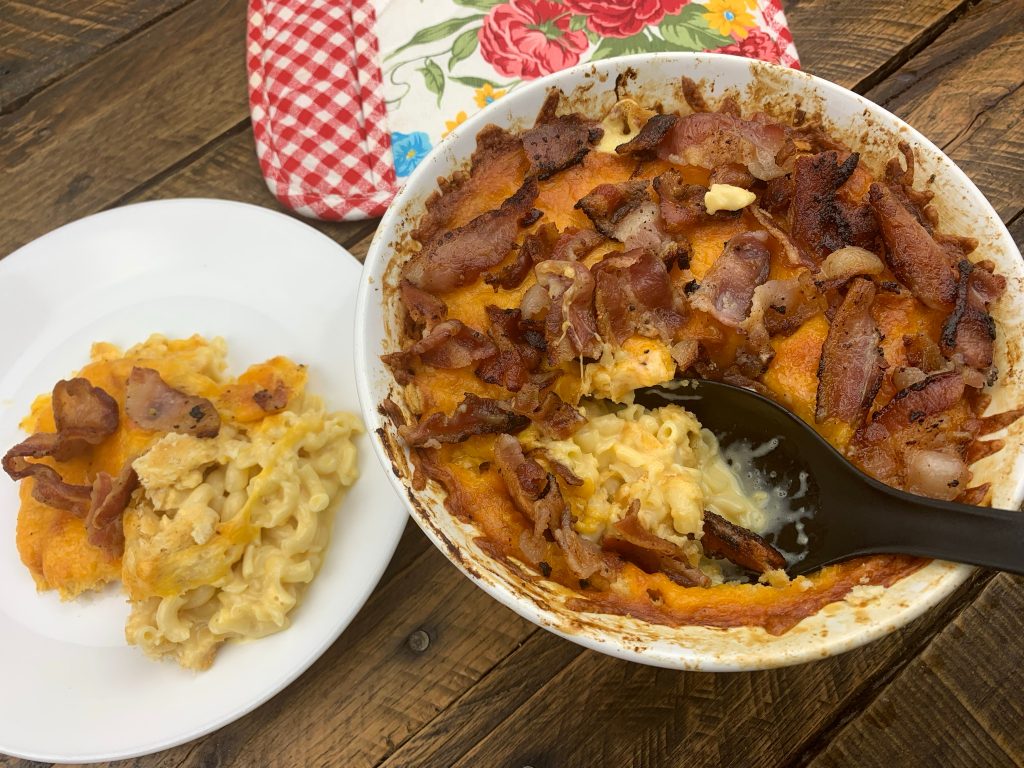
x=72, y=689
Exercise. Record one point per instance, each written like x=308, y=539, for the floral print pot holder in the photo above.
x=348, y=96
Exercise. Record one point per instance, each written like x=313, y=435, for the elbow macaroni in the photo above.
x=230, y=530
x=661, y=458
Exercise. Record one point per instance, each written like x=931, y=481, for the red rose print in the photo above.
x=530, y=38
x=622, y=18
x=756, y=45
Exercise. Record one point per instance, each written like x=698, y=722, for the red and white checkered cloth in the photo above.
x=316, y=95
x=318, y=108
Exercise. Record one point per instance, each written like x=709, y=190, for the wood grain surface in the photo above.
x=107, y=102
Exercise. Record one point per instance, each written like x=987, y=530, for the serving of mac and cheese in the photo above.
x=210, y=498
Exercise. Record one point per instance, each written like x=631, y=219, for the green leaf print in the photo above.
x=610, y=47
x=463, y=47
x=480, y=5
x=433, y=77
x=689, y=30
x=437, y=32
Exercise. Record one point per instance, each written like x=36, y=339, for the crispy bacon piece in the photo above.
x=818, y=223
x=558, y=142
x=782, y=306
x=461, y=255
x=498, y=153
x=583, y=556
x=625, y=212
x=650, y=136
x=84, y=416
x=153, y=404
x=728, y=288
x=449, y=345
x=473, y=416
x=633, y=295
x=852, y=365
x=534, y=492
x=900, y=181
x=738, y=545
x=537, y=495
x=777, y=194
x=793, y=254
x=423, y=308
x=108, y=501
x=733, y=174
x=913, y=405
x=557, y=417
x=711, y=139
x=915, y=258
x=631, y=541
x=573, y=244
x=681, y=205
x=536, y=247
x=970, y=332
x=518, y=346
x=49, y=487
x=570, y=327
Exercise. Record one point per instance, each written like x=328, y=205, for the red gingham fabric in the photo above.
x=317, y=107
x=776, y=21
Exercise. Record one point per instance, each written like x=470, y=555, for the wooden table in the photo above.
x=107, y=102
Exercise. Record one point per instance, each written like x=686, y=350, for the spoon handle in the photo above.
x=893, y=521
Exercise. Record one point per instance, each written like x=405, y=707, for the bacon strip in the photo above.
x=570, y=327
x=625, y=212
x=915, y=258
x=631, y=541
x=424, y=308
x=681, y=205
x=711, y=139
x=534, y=492
x=913, y=405
x=448, y=345
x=970, y=331
x=84, y=416
x=108, y=501
x=728, y=288
x=633, y=295
x=738, y=545
x=473, y=416
x=852, y=365
x=558, y=142
x=650, y=136
x=537, y=495
x=819, y=225
x=518, y=345
x=461, y=255
x=153, y=404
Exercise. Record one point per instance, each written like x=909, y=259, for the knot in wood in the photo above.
x=419, y=641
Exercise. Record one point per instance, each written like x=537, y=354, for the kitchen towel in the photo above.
x=348, y=96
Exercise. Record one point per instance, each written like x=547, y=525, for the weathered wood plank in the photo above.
x=966, y=93
x=228, y=170
x=43, y=40
x=469, y=720
x=957, y=704
x=856, y=44
x=603, y=711
x=133, y=112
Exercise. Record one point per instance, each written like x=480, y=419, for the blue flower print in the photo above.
x=409, y=149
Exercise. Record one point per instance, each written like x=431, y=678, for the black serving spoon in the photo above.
x=853, y=514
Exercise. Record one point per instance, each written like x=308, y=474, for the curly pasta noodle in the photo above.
x=229, y=531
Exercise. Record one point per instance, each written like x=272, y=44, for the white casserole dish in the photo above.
x=868, y=613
